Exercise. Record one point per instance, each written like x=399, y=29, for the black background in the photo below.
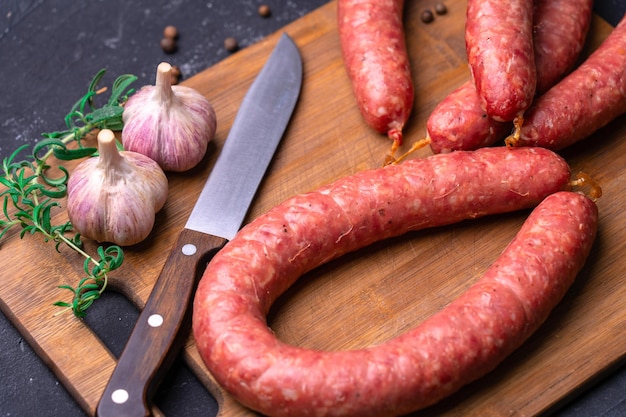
x=49, y=51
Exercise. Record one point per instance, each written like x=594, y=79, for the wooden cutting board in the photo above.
x=378, y=292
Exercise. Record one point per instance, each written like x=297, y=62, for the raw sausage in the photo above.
x=371, y=34
x=560, y=28
x=460, y=123
x=416, y=369
x=587, y=99
x=431, y=361
x=499, y=43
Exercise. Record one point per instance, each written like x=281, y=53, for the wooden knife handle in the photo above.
x=158, y=334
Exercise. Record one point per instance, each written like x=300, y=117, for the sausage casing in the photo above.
x=371, y=34
x=429, y=362
x=560, y=29
x=587, y=99
x=500, y=53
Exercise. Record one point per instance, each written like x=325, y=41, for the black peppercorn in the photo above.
x=231, y=44
x=264, y=10
x=168, y=45
x=427, y=16
x=175, y=74
x=170, y=32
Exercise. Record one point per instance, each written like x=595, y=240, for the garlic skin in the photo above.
x=114, y=197
x=171, y=124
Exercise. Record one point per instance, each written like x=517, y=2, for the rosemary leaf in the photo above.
x=65, y=154
x=31, y=195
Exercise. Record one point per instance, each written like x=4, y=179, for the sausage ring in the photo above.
x=455, y=346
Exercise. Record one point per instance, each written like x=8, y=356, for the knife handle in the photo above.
x=158, y=337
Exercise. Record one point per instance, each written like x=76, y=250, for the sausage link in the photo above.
x=587, y=99
x=499, y=43
x=560, y=28
x=371, y=34
x=460, y=123
x=429, y=362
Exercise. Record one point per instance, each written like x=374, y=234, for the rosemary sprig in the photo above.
x=30, y=194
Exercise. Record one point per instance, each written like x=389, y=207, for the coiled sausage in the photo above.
x=455, y=346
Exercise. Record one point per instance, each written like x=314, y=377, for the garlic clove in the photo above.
x=114, y=197
x=171, y=124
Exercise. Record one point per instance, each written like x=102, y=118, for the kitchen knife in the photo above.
x=217, y=216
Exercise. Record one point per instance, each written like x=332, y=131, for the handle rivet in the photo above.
x=155, y=320
x=119, y=396
x=189, y=249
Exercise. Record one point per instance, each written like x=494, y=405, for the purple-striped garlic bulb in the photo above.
x=114, y=197
x=171, y=124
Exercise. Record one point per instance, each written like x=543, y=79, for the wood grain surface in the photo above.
x=375, y=293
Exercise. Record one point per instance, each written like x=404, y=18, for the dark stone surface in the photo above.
x=49, y=51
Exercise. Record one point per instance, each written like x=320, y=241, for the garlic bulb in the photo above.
x=171, y=124
x=114, y=197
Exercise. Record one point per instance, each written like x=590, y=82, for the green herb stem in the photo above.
x=30, y=195
x=67, y=138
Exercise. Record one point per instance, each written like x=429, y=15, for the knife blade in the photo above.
x=216, y=217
